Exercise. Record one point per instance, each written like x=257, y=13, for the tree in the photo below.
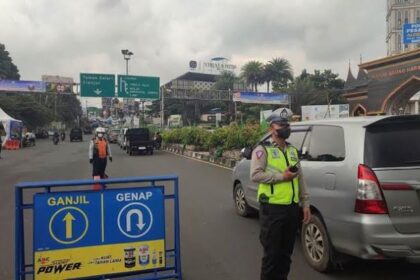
x=269, y=75
x=8, y=70
x=326, y=80
x=282, y=73
x=303, y=92
x=68, y=108
x=320, y=88
x=25, y=107
x=225, y=81
x=253, y=74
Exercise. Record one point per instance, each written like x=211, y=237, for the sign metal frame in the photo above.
x=172, y=268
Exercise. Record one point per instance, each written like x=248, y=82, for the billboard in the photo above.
x=22, y=86
x=320, y=112
x=215, y=66
x=261, y=98
x=411, y=33
x=58, y=84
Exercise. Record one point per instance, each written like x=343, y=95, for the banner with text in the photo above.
x=261, y=98
x=22, y=86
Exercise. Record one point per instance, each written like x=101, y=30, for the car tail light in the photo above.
x=369, y=198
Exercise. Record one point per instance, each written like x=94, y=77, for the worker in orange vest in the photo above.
x=99, y=151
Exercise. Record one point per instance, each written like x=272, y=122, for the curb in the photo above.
x=224, y=162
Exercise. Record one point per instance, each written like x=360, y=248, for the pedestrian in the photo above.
x=99, y=151
x=2, y=134
x=281, y=188
x=158, y=140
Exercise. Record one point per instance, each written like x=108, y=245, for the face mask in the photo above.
x=100, y=135
x=283, y=133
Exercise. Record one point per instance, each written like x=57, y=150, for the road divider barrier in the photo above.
x=204, y=156
x=115, y=230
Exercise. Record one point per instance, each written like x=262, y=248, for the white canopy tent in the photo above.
x=12, y=126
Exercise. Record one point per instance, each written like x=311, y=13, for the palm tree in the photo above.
x=269, y=75
x=282, y=72
x=225, y=81
x=252, y=73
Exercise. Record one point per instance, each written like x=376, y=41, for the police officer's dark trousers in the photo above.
x=279, y=224
x=99, y=166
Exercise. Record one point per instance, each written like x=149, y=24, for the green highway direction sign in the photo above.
x=97, y=85
x=145, y=88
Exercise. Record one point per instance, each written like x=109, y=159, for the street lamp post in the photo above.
x=127, y=55
x=162, y=104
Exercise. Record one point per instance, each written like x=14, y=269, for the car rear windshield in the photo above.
x=394, y=144
x=138, y=131
x=76, y=130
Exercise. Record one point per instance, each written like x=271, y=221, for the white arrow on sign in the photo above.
x=139, y=214
x=144, y=219
x=98, y=91
x=123, y=86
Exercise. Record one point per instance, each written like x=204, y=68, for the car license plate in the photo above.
x=142, y=148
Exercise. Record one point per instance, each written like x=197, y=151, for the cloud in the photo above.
x=69, y=37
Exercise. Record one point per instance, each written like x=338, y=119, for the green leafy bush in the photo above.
x=224, y=138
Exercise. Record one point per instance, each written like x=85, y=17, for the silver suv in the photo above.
x=363, y=176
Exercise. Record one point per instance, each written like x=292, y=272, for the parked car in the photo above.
x=363, y=176
x=138, y=140
x=113, y=135
x=76, y=134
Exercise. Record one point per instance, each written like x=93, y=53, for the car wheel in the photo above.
x=316, y=245
x=241, y=206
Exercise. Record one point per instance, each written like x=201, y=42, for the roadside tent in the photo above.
x=12, y=126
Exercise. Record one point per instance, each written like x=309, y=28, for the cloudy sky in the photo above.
x=68, y=37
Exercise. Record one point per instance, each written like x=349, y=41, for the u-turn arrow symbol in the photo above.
x=139, y=215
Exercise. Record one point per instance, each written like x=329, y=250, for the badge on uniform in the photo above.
x=259, y=154
x=275, y=153
x=293, y=155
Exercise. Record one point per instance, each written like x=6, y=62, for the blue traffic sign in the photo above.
x=86, y=218
x=86, y=233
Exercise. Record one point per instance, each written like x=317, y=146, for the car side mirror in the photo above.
x=246, y=153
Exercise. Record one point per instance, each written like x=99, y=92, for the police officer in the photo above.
x=281, y=189
x=99, y=150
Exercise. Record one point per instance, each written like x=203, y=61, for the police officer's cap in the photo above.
x=280, y=116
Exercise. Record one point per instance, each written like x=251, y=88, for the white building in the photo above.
x=413, y=105
x=400, y=12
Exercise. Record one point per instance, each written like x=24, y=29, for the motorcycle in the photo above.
x=158, y=142
x=63, y=136
x=28, y=141
x=56, y=138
